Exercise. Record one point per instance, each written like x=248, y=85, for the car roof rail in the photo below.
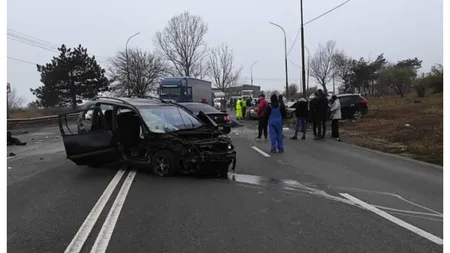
x=147, y=97
x=112, y=98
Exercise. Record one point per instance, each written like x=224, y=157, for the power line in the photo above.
x=19, y=60
x=33, y=41
x=314, y=19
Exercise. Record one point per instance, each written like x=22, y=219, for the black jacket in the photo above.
x=301, y=109
x=322, y=108
x=282, y=110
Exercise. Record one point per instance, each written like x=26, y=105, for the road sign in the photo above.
x=8, y=87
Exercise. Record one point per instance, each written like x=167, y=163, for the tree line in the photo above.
x=181, y=50
x=376, y=77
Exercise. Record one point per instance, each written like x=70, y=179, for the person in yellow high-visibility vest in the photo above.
x=239, y=109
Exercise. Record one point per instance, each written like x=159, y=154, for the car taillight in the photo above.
x=227, y=118
x=363, y=102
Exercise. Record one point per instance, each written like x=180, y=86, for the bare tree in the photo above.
x=146, y=69
x=322, y=64
x=181, y=43
x=14, y=101
x=221, y=67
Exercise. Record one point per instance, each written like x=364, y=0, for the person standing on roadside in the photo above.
x=244, y=107
x=312, y=112
x=322, y=114
x=301, y=115
x=239, y=109
x=275, y=117
x=336, y=115
x=262, y=119
x=282, y=109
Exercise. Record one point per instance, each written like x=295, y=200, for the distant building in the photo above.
x=236, y=90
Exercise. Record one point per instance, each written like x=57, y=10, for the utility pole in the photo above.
x=285, y=59
x=251, y=73
x=126, y=55
x=302, y=34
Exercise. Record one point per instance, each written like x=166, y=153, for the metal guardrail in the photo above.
x=24, y=123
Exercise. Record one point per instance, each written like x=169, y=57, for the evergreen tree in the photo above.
x=70, y=77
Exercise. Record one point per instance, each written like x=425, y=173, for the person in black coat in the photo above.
x=282, y=109
x=321, y=114
x=301, y=115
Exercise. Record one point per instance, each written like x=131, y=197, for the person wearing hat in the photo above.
x=301, y=115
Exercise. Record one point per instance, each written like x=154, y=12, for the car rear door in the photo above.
x=347, y=107
x=89, y=140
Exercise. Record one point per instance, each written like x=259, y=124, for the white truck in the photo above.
x=186, y=89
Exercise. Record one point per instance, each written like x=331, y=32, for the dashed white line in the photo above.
x=78, y=241
x=393, y=219
x=102, y=241
x=260, y=151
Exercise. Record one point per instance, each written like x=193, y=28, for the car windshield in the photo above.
x=167, y=119
x=196, y=108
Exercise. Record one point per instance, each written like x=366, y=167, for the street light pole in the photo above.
x=303, y=49
x=307, y=72
x=251, y=73
x=126, y=55
x=285, y=59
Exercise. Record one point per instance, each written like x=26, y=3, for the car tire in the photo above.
x=357, y=114
x=223, y=170
x=164, y=163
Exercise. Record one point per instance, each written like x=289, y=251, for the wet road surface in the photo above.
x=301, y=201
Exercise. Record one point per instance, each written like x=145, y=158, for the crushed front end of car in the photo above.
x=205, y=155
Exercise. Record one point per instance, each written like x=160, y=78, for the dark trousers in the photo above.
x=321, y=128
x=335, y=128
x=262, y=126
x=300, y=121
x=244, y=110
x=314, y=125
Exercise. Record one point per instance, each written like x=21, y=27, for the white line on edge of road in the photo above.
x=102, y=241
x=78, y=241
x=393, y=219
x=260, y=151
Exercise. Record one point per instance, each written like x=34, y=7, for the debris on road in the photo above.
x=11, y=154
x=13, y=140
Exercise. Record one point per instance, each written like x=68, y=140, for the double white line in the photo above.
x=101, y=243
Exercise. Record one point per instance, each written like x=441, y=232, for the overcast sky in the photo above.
x=362, y=28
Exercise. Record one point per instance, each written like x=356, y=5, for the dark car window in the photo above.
x=166, y=119
x=346, y=100
x=196, y=108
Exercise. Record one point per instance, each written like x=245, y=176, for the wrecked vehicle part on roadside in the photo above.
x=147, y=133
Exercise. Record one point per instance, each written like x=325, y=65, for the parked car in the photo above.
x=147, y=132
x=353, y=106
x=222, y=119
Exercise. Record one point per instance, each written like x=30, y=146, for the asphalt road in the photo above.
x=300, y=201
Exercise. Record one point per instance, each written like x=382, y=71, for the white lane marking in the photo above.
x=393, y=219
x=416, y=216
x=78, y=241
x=407, y=211
x=260, y=151
x=390, y=194
x=10, y=157
x=102, y=241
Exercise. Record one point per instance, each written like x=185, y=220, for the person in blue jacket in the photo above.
x=275, y=114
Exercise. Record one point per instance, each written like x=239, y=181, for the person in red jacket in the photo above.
x=262, y=118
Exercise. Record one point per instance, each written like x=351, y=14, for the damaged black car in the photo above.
x=149, y=133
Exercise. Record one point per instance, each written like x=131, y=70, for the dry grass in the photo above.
x=32, y=113
x=402, y=126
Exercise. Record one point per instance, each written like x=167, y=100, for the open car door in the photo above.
x=89, y=140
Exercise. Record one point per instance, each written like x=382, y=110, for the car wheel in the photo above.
x=357, y=115
x=163, y=163
x=223, y=170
